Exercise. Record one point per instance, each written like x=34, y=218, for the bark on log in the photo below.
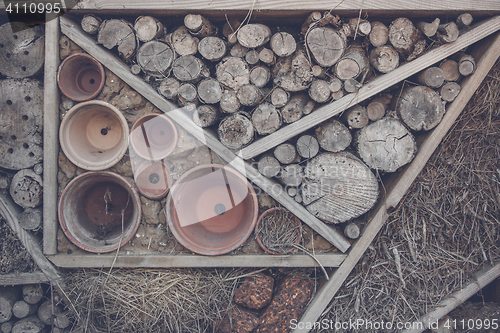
x=449, y=91
x=31, y=218
x=386, y=145
x=279, y=97
x=212, y=48
x=135, y=69
x=379, y=35
x=32, y=293
x=267, y=56
x=26, y=188
x=293, y=73
x=188, y=68
x=466, y=64
x=448, y=33
x=238, y=51
x=353, y=63
x=260, y=76
x=311, y=19
x=338, y=187
x=283, y=44
x=254, y=35
x=319, y=91
x=209, y=91
x=429, y=28
x=148, y=28
x=464, y=20
x=450, y=70
x=206, y=115
x=229, y=102
x=384, y=58
x=169, y=88
x=432, y=77
x=266, y=119
x=285, y=153
x=255, y=292
x=352, y=231
x=405, y=38
x=199, y=26
x=119, y=33
x=21, y=122
x=155, y=57
x=233, y=72
x=421, y=108
x=23, y=50
x=356, y=116
x=8, y=296
x=333, y=136
x=236, y=131
x=21, y=309
x=269, y=166
x=326, y=45
x=351, y=85
x=29, y=324
x=377, y=108
x=292, y=175
x=183, y=42
x=90, y=24
x=187, y=94
x=307, y=146
x=249, y=95
x=294, y=109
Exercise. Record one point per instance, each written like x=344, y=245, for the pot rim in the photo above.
x=143, y=166
x=267, y=212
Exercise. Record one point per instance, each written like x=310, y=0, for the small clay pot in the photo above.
x=94, y=135
x=212, y=209
x=80, y=77
x=153, y=137
x=153, y=179
x=95, y=207
x=271, y=211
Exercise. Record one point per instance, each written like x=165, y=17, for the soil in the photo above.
x=13, y=255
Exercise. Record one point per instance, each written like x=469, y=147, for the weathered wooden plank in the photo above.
x=74, y=32
x=403, y=183
x=157, y=261
x=50, y=137
x=15, y=279
x=370, y=89
x=481, y=279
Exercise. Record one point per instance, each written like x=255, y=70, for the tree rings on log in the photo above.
x=249, y=95
x=448, y=33
x=236, y=131
x=307, y=146
x=31, y=218
x=283, y=44
x=26, y=188
x=285, y=153
x=353, y=63
x=233, y=72
x=333, y=136
x=421, y=108
x=319, y=91
x=266, y=119
x=384, y=58
x=21, y=122
x=326, y=45
x=148, y=28
x=279, y=97
x=229, y=102
x=118, y=33
x=432, y=77
x=22, y=50
x=205, y=116
x=252, y=57
x=267, y=56
x=183, y=43
x=209, y=91
x=212, y=48
x=293, y=73
x=155, y=57
x=169, y=88
x=450, y=70
x=338, y=187
x=379, y=35
x=449, y=91
x=260, y=76
x=466, y=64
x=188, y=68
x=187, y=93
x=377, y=107
x=404, y=37
x=254, y=35
x=90, y=24
x=269, y=166
x=238, y=51
x=386, y=145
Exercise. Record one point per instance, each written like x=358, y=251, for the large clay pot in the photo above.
x=212, y=209
x=153, y=179
x=296, y=221
x=94, y=135
x=153, y=137
x=99, y=211
x=80, y=77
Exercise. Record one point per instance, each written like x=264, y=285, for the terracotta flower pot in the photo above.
x=95, y=207
x=212, y=209
x=153, y=179
x=80, y=77
x=296, y=221
x=94, y=135
x=153, y=137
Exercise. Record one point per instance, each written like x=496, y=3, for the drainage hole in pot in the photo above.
x=162, y=133
x=104, y=131
x=154, y=178
x=92, y=81
x=219, y=209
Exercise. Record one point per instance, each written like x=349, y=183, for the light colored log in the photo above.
x=359, y=27
x=293, y=73
x=209, y=91
x=449, y=91
x=269, y=166
x=429, y=29
x=90, y=24
x=249, y=95
x=135, y=69
x=14, y=279
x=233, y=72
x=266, y=119
x=283, y=44
x=421, y=108
x=183, y=42
x=356, y=116
x=267, y=56
x=32, y=293
x=254, y=35
x=448, y=33
x=26, y=188
x=187, y=93
x=279, y=97
x=188, y=68
x=31, y=218
x=147, y=28
x=352, y=85
x=8, y=296
x=294, y=109
x=229, y=102
x=404, y=36
x=212, y=48
x=325, y=45
x=464, y=20
x=307, y=146
x=292, y=175
x=155, y=57
x=319, y=91
x=432, y=77
x=260, y=76
x=466, y=63
x=352, y=230
x=236, y=131
x=29, y=324
x=238, y=51
x=379, y=35
x=21, y=309
x=206, y=115
x=450, y=70
x=333, y=136
x=252, y=57
x=199, y=26
x=311, y=19
x=384, y=59
x=377, y=108
x=118, y=33
x=169, y=88
x=285, y=153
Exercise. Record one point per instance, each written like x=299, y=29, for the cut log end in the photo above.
x=449, y=91
x=307, y=146
x=266, y=119
x=333, y=136
x=269, y=166
x=236, y=131
x=90, y=24
x=326, y=45
x=421, y=108
x=285, y=153
x=357, y=117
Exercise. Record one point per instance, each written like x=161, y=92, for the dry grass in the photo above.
x=444, y=230
x=279, y=232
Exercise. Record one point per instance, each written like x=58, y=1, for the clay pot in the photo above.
x=212, y=209
x=153, y=137
x=153, y=179
x=80, y=77
x=95, y=207
x=94, y=135
x=259, y=221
